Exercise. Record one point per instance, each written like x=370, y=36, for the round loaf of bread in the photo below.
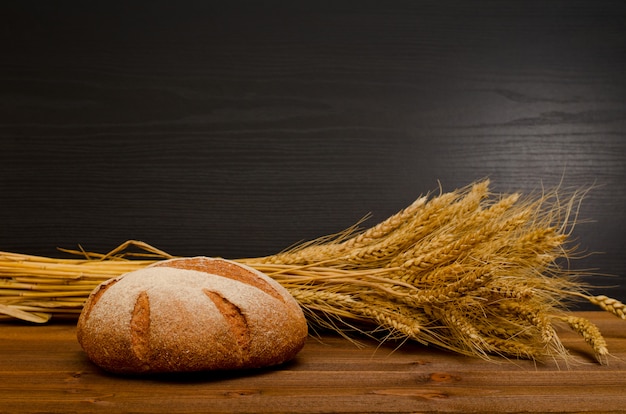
x=190, y=314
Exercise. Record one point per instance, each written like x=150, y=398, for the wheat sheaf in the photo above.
x=469, y=271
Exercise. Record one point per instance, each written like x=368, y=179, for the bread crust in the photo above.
x=191, y=314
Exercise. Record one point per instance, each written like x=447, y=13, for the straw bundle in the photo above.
x=469, y=271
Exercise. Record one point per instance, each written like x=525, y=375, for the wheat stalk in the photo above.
x=589, y=332
x=467, y=271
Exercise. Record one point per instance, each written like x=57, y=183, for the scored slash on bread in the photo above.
x=190, y=314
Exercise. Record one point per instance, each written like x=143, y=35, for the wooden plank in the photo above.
x=43, y=369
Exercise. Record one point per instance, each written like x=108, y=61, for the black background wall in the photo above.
x=235, y=130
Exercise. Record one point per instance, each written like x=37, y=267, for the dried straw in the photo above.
x=469, y=271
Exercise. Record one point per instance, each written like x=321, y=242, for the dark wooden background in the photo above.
x=235, y=130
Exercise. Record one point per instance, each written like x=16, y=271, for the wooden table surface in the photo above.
x=43, y=369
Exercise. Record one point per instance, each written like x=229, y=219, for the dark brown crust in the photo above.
x=223, y=268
